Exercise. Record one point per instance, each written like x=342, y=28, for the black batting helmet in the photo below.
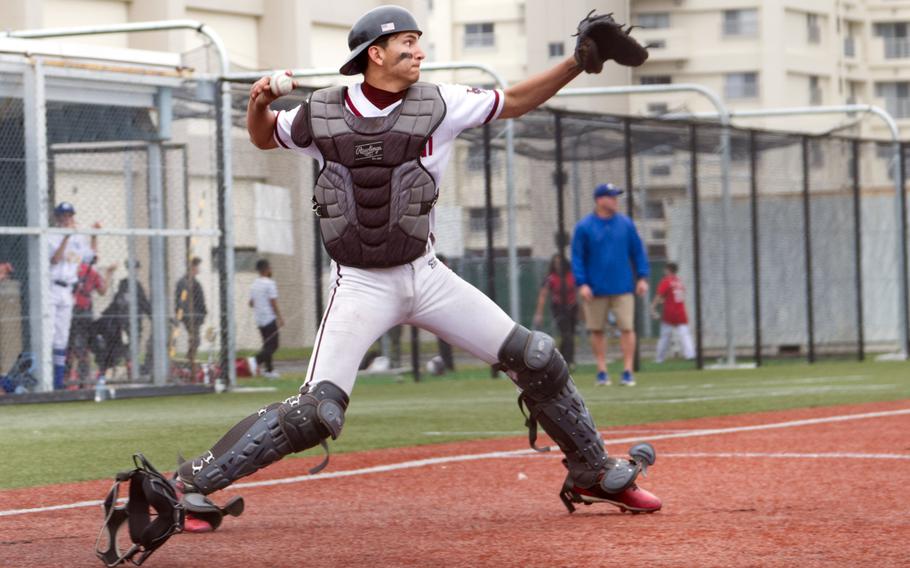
x=378, y=22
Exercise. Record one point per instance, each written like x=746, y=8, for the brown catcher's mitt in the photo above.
x=601, y=38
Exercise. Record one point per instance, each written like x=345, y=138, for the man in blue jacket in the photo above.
x=610, y=263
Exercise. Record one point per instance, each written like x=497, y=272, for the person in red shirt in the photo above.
x=673, y=321
x=89, y=282
x=559, y=285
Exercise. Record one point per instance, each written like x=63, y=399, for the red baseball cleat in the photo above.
x=632, y=498
x=194, y=524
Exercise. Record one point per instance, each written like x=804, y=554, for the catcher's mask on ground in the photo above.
x=375, y=24
x=148, y=489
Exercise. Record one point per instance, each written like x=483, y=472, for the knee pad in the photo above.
x=310, y=417
x=536, y=365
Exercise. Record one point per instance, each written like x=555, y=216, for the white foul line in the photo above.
x=493, y=455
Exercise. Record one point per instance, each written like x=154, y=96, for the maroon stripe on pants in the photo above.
x=325, y=318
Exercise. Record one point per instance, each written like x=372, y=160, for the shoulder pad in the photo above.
x=301, y=133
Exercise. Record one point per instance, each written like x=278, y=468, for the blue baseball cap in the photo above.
x=64, y=208
x=607, y=189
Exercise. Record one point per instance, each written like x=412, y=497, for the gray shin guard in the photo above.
x=552, y=400
x=301, y=422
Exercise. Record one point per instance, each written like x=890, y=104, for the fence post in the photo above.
x=807, y=244
x=488, y=207
x=560, y=179
x=756, y=264
x=858, y=252
x=34, y=112
x=630, y=211
x=317, y=254
x=696, y=244
x=905, y=285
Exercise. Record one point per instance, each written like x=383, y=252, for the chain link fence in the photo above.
x=797, y=259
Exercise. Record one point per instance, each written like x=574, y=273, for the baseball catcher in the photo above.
x=382, y=145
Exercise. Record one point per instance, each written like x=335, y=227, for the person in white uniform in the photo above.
x=382, y=146
x=267, y=314
x=66, y=253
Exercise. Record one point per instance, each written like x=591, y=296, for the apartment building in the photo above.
x=779, y=53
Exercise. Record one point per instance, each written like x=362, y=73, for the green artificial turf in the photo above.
x=52, y=443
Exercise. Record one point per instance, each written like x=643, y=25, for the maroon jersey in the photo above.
x=554, y=283
x=673, y=292
x=89, y=281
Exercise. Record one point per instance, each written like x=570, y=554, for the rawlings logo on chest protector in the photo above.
x=370, y=151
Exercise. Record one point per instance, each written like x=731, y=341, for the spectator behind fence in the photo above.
x=609, y=263
x=89, y=282
x=113, y=325
x=673, y=321
x=264, y=301
x=66, y=253
x=190, y=307
x=5, y=270
x=559, y=285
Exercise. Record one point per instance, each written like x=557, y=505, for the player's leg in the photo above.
x=685, y=341
x=359, y=311
x=595, y=313
x=623, y=308
x=62, y=307
x=453, y=309
x=663, y=343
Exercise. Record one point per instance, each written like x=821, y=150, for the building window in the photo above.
x=654, y=20
x=655, y=80
x=816, y=153
x=895, y=35
x=657, y=44
x=849, y=46
x=479, y=35
x=658, y=108
x=897, y=97
x=741, y=85
x=244, y=259
x=477, y=218
x=815, y=90
x=556, y=48
x=740, y=22
x=661, y=170
x=813, y=29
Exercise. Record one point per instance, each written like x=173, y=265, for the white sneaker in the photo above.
x=271, y=375
x=254, y=367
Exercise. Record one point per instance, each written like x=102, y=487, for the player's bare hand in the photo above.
x=641, y=287
x=586, y=293
x=261, y=93
x=280, y=321
x=96, y=225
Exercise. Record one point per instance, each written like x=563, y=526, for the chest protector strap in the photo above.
x=373, y=196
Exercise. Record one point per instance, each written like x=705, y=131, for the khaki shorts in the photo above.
x=622, y=306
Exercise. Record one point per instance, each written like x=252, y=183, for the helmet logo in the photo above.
x=387, y=27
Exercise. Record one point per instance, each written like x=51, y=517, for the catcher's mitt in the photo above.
x=601, y=38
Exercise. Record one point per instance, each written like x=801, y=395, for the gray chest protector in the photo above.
x=373, y=196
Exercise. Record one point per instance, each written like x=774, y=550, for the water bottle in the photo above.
x=100, y=389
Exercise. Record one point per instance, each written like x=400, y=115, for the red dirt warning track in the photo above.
x=765, y=497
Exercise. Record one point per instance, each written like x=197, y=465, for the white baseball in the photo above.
x=281, y=83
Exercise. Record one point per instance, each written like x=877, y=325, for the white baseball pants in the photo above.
x=683, y=337
x=365, y=303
